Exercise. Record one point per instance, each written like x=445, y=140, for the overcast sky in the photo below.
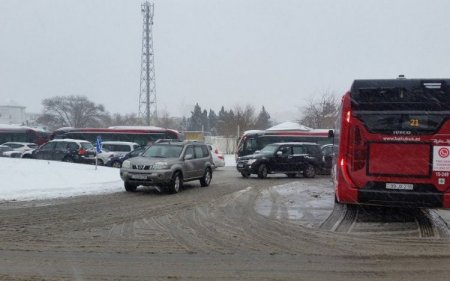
x=273, y=53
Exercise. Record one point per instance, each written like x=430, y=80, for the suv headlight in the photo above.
x=251, y=161
x=161, y=166
x=126, y=164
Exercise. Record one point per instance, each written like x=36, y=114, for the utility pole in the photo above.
x=147, y=95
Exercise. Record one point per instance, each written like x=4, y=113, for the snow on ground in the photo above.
x=30, y=179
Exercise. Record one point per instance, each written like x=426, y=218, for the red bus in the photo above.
x=11, y=133
x=254, y=140
x=141, y=135
x=393, y=139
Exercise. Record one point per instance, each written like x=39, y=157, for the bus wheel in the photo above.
x=309, y=171
x=262, y=171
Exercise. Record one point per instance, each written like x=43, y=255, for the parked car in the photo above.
x=116, y=161
x=21, y=146
x=68, y=150
x=168, y=165
x=328, y=151
x=217, y=156
x=120, y=148
x=6, y=151
x=104, y=156
x=292, y=159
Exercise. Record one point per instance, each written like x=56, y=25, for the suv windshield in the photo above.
x=269, y=149
x=163, y=151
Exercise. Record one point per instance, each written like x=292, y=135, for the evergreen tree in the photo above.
x=212, y=120
x=195, y=121
x=263, y=120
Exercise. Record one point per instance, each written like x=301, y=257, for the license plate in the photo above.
x=240, y=165
x=139, y=177
x=400, y=186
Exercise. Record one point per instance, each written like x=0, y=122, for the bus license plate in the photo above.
x=139, y=177
x=399, y=186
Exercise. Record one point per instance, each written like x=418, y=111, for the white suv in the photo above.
x=120, y=148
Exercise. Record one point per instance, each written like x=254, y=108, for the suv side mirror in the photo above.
x=279, y=153
x=188, y=157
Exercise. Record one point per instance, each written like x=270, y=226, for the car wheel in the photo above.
x=177, y=183
x=309, y=171
x=100, y=162
x=116, y=164
x=68, y=159
x=129, y=187
x=262, y=171
x=206, y=179
x=291, y=175
x=245, y=174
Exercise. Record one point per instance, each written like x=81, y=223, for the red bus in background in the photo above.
x=254, y=140
x=393, y=139
x=142, y=135
x=12, y=133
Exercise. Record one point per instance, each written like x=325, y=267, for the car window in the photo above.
x=87, y=145
x=48, y=146
x=61, y=145
x=286, y=150
x=72, y=146
x=205, y=151
x=189, y=150
x=313, y=150
x=163, y=151
x=198, y=152
x=117, y=147
x=32, y=146
x=299, y=149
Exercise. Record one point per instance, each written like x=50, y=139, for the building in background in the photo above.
x=12, y=114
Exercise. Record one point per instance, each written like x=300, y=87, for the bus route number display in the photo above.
x=441, y=158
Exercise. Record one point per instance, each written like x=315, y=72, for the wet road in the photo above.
x=235, y=229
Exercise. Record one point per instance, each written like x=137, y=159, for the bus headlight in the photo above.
x=126, y=164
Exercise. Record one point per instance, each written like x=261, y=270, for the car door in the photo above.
x=60, y=150
x=189, y=162
x=298, y=157
x=45, y=151
x=199, y=161
x=282, y=158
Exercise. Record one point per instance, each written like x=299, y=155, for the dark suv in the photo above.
x=68, y=150
x=167, y=165
x=292, y=159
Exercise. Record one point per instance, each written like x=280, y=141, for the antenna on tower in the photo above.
x=147, y=95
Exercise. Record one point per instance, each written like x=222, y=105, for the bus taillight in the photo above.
x=347, y=116
x=358, y=151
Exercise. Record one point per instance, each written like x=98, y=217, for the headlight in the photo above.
x=161, y=166
x=251, y=161
x=126, y=164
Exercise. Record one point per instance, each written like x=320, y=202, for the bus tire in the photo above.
x=129, y=187
x=309, y=171
x=262, y=171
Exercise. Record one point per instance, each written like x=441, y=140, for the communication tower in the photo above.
x=147, y=96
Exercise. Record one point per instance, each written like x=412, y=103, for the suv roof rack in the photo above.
x=168, y=141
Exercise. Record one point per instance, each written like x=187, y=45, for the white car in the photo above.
x=21, y=146
x=6, y=151
x=119, y=148
x=104, y=156
x=218, y=158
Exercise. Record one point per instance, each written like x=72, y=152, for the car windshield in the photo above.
x=269, y=149
x=163, y=151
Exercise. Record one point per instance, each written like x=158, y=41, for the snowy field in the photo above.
x=30, y=179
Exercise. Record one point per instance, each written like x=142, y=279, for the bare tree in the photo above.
x=166, y=121
x=244, y=117
x=72, y=111
x=320, y=113
x=130, y=119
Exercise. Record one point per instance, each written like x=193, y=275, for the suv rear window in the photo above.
x=117, y=147
x=87, y=145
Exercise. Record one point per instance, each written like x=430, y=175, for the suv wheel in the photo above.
x=262, y=171
x=116, y=164
x=129, y=187
x=245, y=174
x=206, y=179
x=100, y=162
x=309, y=171
x=68, y=159
x=176, y=183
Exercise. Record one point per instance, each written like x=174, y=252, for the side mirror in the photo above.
x=279, y=153
x=188, y=157
x=258, y=151
x=331, y=133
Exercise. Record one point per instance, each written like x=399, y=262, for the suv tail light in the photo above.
x=82, y=151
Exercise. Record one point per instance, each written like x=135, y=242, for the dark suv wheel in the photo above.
x=309, y=171
x=263, y=171
x=129, y=187
x=206, y=179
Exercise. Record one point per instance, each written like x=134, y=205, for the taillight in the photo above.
x=216, y=151
x=358, y=150
x=347, y=117
x=82, y=151
x=220, y=157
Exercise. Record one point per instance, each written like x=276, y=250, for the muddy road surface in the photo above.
x=235, y=229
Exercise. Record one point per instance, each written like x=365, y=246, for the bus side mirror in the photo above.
x=331, y=134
